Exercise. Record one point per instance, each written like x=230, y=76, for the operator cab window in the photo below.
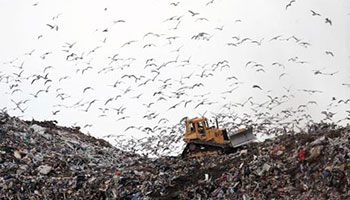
x=201, y=129
x=206, y=123
x=192, y=127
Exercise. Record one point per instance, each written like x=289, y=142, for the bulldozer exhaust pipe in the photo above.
x=217, y=123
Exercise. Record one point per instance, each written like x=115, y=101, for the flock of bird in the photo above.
x=147, y=94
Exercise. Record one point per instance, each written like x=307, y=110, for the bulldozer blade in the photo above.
x=242, y=138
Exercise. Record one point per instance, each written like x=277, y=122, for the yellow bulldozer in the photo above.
x=202, y=139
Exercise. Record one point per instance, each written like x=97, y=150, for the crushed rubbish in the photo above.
x=41, y=160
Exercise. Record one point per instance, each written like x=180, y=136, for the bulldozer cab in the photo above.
x=199, y=129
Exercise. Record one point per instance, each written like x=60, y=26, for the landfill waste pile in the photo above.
x=41, y=160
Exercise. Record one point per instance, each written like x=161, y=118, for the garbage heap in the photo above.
x=40, y=160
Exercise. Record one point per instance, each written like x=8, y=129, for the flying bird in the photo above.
x=283, y=74
x=193, y=13
x=329, y=53
x=279, y=64
x=260, y=70
x=63, y=78
x=231, y=44
x=248, y=63
x=256, y=86
x=149, y=45
x=37, y=93
x=315, y=13
x=327, y=20
x=276, y=37
x=289, y=4
x=210, y=2
x=174, y=3
x=202, y=19
x=91, y=102
x=174, y=106
x=128, y=43
x=16, y=90
x=109, y=100
x=55, y=112
x=257, y=42
x=118, y=21
x=231, y=77
x=52, y=26
x=87, y=88
x=219, y=28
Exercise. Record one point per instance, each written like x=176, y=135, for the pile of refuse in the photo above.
x=41, y=160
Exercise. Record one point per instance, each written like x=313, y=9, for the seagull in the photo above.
x=148, y=105
x=243, y=40
x=37, y=93
x=85, y=69
x=305, y=44
x=132, y=76
x=87, y=88
x=289, y=4
x=48, y=67
x=174, y=3
x=196, y=85
x=315, y=13
x=230, y=91
x=177, y=18
x=69, y=45
x=109, y=100
x=201, y=103
x=193, y=13
x=219, y=28
x=283, y=74
x=257, y=42
x=91, y=102
x=30, y=53
x=287, y=89
x=295, y=38
x=52, y=26
x=329, y=53
x=87, y=125
x=276, y=37
x=312, y=102
x=149, y=45
x=174, y=106
x=19, y=74
x=210, y=2
x=231, y=44
x=189, y=101
x=231, y=77
x=278, y=64
x=202, y=19
x=130, y=127
x=118, y=21
x=327, y=20
x=260, y=70
x=16, y=90
x=256, y=86
x=248, y=63
x=128, y=43
x=62, y=78
x=55, y=112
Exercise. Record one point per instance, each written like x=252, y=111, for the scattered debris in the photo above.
x=63, y=163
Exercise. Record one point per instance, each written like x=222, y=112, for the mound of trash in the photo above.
x=41, y=160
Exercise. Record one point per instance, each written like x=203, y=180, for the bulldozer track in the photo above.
x=200, y=148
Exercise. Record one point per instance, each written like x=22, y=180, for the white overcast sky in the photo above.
x=148, y=25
